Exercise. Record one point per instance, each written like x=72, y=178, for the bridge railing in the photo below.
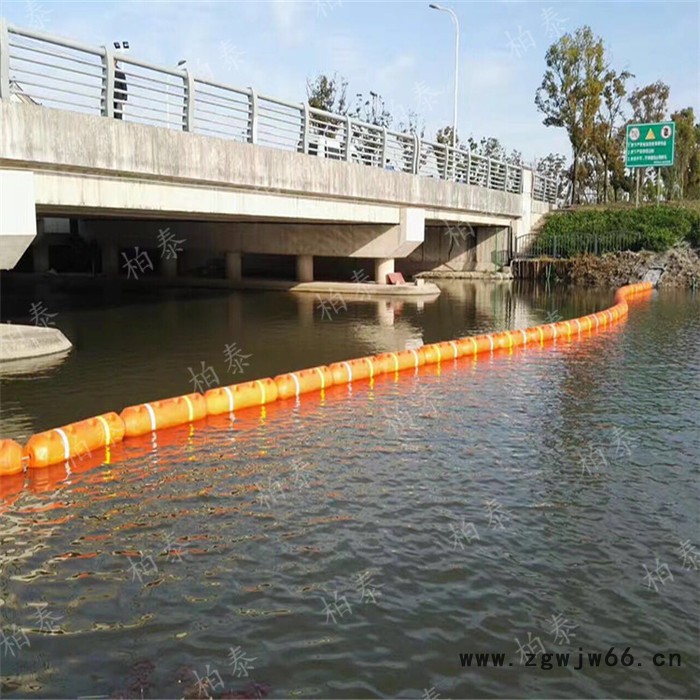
x=544, y=189
x=63, y=74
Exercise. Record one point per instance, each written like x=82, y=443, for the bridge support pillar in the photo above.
x=168, y=266
x=40, y=249
x=382, y=268
x=110, y=259
x=234, y=266
x=305, y=268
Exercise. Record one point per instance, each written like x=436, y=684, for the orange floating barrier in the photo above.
x=305, y=380
x=158, y=415
x=10, y=458
x=449, y=350
x=59, y=446
x=72, y=440
x=432, y=354
x=360, y=368
x=228, y=399
x=403, y=359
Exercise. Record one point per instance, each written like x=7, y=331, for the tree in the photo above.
x=649, y=103
x=606, y=132
x=677, y=177
x=328, y=94
x=444, y=135
x=693, y=190
x=572, y=89
x=371, y=110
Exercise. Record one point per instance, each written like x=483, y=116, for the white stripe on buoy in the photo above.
x=437, y=347
x=554, y=330
x=454, y=347
x=190, y=408
x=349, y=369
x=320, y=374
x=371, y=367
x=541, y=332
x=524, y=336
x=578, y=323
x=296, y=383
x=151, y=413
x=490, y=337
x=396, y=361
x=105, y=426
x=66, y=444
x=262, y=390
x=229, y=393
x=415, y=354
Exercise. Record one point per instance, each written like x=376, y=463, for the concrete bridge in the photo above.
x=213, y=170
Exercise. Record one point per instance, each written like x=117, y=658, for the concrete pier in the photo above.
x=20, y=342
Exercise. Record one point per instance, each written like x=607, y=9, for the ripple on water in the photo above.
x=355, y=546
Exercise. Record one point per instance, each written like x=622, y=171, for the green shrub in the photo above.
x=656, y=228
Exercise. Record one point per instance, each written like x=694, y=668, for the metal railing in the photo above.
x=63, y=74
x=535, y=245
x=544, y=189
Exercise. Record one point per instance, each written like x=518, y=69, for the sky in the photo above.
x=403, y=51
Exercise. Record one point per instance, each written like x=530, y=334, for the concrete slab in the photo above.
x=21, y=342
x=426, y=290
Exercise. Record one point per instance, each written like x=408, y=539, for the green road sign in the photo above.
x=650, y=145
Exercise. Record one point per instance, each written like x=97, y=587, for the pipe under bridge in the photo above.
x=133, y=148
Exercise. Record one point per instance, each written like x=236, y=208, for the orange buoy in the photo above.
x=305, y=380
x=473, y=344
x=449, y=350
x=10, y=458
x=359, y=368
x=432, y=354
x=158, y=415
x=72, y=440
x=229, y=399
x=403, y=359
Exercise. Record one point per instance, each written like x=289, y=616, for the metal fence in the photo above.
x=536, y=245
x=63, y=74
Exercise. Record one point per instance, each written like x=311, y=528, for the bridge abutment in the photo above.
x=17, y=215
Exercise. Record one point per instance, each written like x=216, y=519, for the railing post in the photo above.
x=446, y=166
x=505, y=176
x=305, y=127
x=382, y=164
x=188, y=112
x=416, y=153
x=253, y=108
x=108, y=70
x=348, y=138
x=4, y=61
x=488, y=173
x=469, y=167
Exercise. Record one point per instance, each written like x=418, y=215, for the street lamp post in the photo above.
x=456, y=21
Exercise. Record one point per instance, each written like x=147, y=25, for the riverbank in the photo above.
x=679, y=267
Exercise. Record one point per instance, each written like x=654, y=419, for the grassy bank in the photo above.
x=611, y=229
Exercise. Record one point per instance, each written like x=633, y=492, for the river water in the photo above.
x=355, y=543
